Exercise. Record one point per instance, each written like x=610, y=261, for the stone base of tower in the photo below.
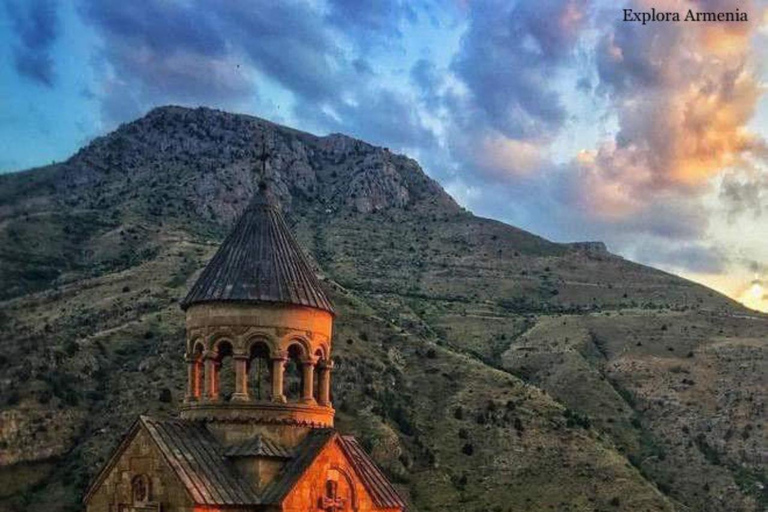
x=286, y=423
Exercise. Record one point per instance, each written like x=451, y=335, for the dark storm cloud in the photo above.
x=36, y=26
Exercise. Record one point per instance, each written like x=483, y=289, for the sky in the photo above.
x=555, y=116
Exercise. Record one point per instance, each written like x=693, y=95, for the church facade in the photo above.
x=259, y=437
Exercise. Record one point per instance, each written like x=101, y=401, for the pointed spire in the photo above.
x=259, y=261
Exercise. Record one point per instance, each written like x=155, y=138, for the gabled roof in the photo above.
x=306, y=453
x=200, y=463
x=202, y=466
x=376, y=483
x=194, y=456
x=260, y=261
x=259, y=446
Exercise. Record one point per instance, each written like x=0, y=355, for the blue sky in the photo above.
x=552, y=115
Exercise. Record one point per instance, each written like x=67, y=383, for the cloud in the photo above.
x=218, y=54
x=683, y=99
x=36, y=26
x=508, y=58
x=694, y=257
x=158, y=52
x=373, y=21
x=743, y=193
x=289, y=42
x=490, y=119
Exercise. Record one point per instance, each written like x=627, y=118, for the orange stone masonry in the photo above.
x=269, y=444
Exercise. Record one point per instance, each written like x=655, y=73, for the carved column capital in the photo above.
x=280, y=355
x=310, y=360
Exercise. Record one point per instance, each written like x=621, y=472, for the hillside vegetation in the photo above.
x=484, y=367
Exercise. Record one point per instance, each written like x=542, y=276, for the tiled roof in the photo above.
x=260, y=261
x=376, y=483
x=258, y=447
x=199, y=462
x=202, y=464
x=306, y=453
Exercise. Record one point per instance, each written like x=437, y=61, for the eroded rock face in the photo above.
x=218, y=158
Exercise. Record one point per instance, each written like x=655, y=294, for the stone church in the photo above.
x=269, y=443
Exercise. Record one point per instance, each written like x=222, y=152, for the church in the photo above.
x=269, y=444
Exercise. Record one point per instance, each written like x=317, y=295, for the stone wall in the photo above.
x=310, y=492
x=164, y=491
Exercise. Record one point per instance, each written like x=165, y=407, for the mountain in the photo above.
x=484, y=367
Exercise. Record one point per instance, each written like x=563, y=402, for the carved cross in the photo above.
x=332, y=503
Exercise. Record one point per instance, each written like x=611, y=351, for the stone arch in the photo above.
x=192, y=343
x=265, y=339
x=224, y=371
x=345, y=485
x=217, y=340
x=294, y=379
x=320, y=360
x=260, y=368
x=196, y=372
x=287, y=342
x=141, y=489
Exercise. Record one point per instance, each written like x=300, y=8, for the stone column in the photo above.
x=191, y=395
x=211, y=377
x=308, y=380
x=241, y=378
x=278, y=369
x=197, y=386
x=324, y=382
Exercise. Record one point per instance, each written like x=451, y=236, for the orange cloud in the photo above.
x=683, y=95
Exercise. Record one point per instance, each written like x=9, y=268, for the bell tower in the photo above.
x=258, y=310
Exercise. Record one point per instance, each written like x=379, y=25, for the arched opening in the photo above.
x=198, y=372
x=140, y=491
x=320, y=362
x=260, y=372
x=293, y=373
x=225, y=374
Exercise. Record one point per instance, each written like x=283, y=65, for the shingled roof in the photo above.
x=195, y=457
x=199, y=462
x=202, y=464
x=260, y=261
x=306, y=453
x=259, y=446
x=376, y=483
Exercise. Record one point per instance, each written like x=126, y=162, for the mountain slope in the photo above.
x=485, y=367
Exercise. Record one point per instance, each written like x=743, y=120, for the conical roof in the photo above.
x=260, y=261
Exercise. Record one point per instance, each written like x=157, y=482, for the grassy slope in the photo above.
x=482, y=365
